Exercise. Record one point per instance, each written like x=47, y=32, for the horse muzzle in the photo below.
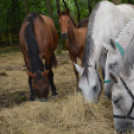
x=64, y=35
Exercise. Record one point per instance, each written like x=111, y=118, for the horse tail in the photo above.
x=54, y=61
x=33, y=50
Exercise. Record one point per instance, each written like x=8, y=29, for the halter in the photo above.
x=122, y=51
x=132, y=107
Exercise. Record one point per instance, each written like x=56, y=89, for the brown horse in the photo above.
x=75, y=37
x=38, y=40
x=83, y=23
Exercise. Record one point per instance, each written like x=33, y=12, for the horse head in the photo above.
x=122, y=101
x=40, y=84
x=114, y=57
x=89, y=83
x=65, y=20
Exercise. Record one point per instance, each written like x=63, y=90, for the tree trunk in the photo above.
x=48, y=2
x=130, y=1
x=14, y=28
x=65, y=4
x=89, y=6
x=57, y=4
x=78, y=11
x=116, y=2
x=26, y=7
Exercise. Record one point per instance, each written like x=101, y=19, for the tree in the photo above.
x=116, y=2
x=26, y=7
x=14, y=25
x=48, y=2
x=89, y=6
x=78, y=11
x=130, y=1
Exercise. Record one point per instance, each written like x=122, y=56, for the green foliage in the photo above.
x=13, y=13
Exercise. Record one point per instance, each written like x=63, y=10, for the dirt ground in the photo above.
x=14, y=88
x=67, y=114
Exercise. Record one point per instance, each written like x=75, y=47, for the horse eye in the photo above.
x=94, y=88
x=68, y=21
x=113, y=65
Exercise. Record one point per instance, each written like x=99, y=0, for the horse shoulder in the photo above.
x=52, y=30
x=82, y=34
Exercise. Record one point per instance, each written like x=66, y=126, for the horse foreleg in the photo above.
x=50, y=77
x=28, y=65
x=32, y=96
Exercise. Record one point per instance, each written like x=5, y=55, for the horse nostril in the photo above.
x=64, y=35
x=115, y=100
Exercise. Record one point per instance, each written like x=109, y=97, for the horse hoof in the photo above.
x=54, y=96
x=32, y=98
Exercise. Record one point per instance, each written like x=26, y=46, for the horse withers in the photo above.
x=38, y=40
x=76, y=37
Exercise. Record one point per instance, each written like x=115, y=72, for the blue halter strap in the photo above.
x=107, y=81
x=120, y=48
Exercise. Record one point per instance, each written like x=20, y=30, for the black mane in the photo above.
x=33, y=50
x=89, y=47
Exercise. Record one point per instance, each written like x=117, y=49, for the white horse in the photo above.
x=115, y=53
x=123, y=91
x=106, y=20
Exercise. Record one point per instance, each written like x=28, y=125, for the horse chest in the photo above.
x=73, y=48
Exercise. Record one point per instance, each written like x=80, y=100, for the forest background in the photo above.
x=13, y=13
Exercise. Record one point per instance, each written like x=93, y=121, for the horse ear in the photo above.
x=59, y=12
x=113, y=77
x=30, y=74
x=46, y=73
x=78, y=68
x=106, y=46
x=112, y=43
x=67, y=11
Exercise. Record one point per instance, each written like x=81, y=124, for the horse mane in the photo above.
x=33, y=50
x=89, y=47
x=128, y=59
x=82, y=22
x=39, y=76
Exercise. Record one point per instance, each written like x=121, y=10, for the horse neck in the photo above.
x=72, y=34
x=96, y=54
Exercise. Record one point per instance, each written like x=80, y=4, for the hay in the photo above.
x=68, y=114
x=71, y=116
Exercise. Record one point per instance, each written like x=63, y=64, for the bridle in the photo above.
x=132, y=107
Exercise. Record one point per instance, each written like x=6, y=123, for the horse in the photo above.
x=83, y=23
x=76, y=37
x=106, y=20
x=115, y=51
x=38, y=40
x=123, y=92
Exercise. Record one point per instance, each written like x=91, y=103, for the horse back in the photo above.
x=52, y=30
x=45, y=34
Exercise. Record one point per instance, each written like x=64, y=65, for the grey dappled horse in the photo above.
x=106, y=20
